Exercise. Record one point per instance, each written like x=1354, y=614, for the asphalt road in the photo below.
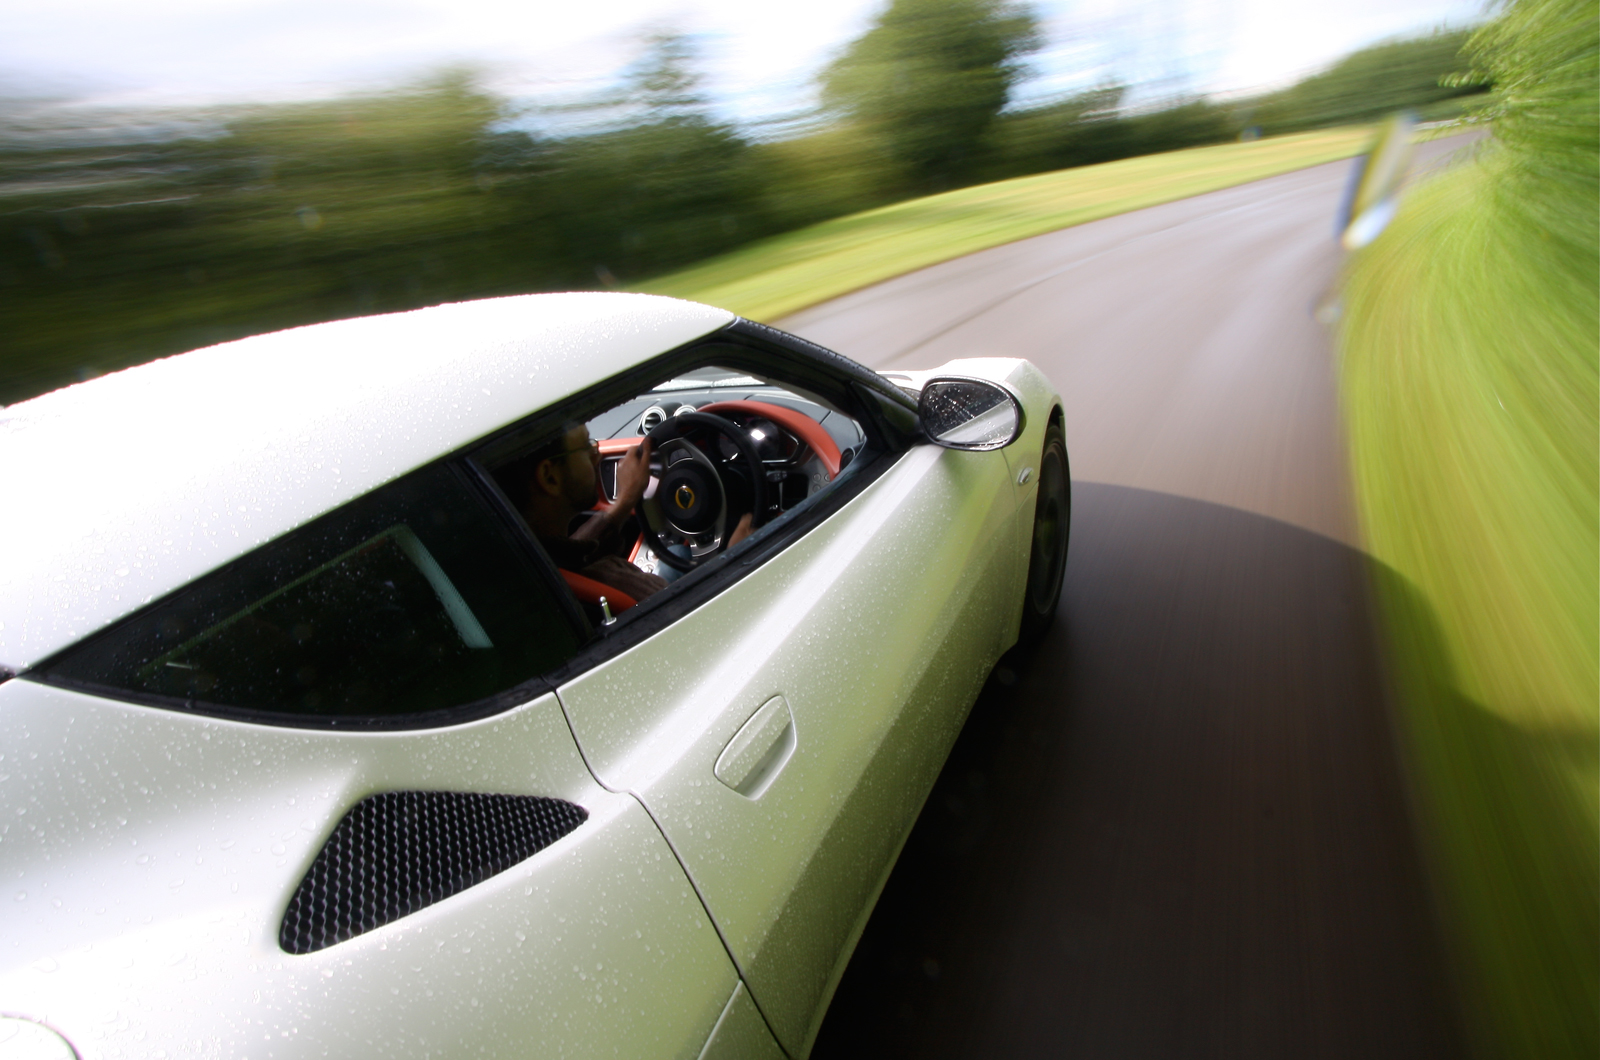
x=1179, y=828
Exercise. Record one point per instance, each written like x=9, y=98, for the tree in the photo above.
x=665, y=82
x=659, y=183
x=929, y=77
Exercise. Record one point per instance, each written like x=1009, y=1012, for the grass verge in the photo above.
x=778, y=276
x=1470, y=387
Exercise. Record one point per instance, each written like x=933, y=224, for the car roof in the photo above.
x=121, y=489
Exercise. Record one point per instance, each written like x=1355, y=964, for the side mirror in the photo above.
x=969, y=414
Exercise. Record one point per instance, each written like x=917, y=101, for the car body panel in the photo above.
x=878, y=662
x=1036, y=395
x=222, y=449
x=1039, y=402
x=150, y=854
x=741, y=1033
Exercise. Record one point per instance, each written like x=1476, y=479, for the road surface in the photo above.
x=1178, y=829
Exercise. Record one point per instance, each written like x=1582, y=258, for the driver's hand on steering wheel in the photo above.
x=633, y=476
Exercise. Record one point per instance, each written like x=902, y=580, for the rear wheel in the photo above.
x=1052, y=525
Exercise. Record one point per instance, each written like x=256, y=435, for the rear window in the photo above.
x=411, y=600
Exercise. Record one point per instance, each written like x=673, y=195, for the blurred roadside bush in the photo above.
x=127, y=236
x=1471, y=379
x=1425, y=74
x=121, y=243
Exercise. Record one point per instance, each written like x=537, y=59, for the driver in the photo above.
x=556, y=486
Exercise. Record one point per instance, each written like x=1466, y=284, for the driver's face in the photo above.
x=578, y=467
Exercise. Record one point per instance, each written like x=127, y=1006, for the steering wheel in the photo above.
x=691, y=494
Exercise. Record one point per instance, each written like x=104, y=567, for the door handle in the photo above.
x=759, y=750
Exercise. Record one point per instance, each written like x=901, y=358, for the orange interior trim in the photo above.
x=590, y=591
x=802, y=426
x=610, y=447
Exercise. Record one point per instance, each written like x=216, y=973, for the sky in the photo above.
x=760, y=58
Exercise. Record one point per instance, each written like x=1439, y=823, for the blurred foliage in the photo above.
x=928, y=78
x=837, y=170
x=1426, y=74
x=659, y=184
x=129, y=236
x=234, y=223
x=1472, y=390
x=115, y=252
x=1541, y=57
x=1089, y=128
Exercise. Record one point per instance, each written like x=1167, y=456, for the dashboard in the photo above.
x=802, y=444
x=780, y=445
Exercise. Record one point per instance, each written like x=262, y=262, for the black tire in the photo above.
x=1052, y=526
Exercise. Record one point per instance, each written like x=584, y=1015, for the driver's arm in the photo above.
x=633, y=475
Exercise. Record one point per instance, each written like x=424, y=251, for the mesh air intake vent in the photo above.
x=397, y=852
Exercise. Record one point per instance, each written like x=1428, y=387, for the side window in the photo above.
x=731, y=452
x=409, y=600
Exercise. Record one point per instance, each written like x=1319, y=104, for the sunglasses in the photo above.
x=592, y=447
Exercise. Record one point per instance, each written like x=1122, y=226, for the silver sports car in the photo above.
x=551, y=676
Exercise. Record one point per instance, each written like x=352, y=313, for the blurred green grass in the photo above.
x=778, y=276
x=1470, y=344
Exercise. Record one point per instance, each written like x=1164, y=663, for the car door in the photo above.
x=784, y=733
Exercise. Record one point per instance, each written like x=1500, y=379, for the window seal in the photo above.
x=740, y=344
x=839, y=378
x=754, y=346
x=442, y=717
